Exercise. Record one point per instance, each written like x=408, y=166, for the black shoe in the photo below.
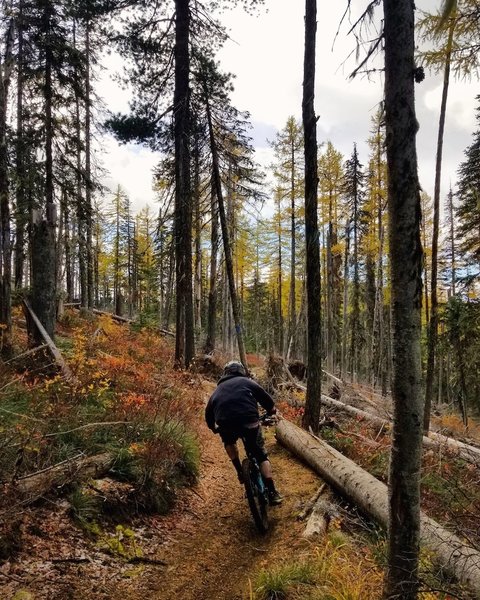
x=274, y=498
x=240, y=477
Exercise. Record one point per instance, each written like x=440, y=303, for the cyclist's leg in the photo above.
x=255, y=444
x=229, y=439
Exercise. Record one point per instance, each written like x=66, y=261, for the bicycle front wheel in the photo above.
x=256, y=500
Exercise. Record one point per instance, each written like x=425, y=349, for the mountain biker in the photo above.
x=232, y=411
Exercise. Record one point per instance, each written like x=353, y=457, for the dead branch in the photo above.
x=27, y=353
x=89, y=426
x=54, y=351
x=311, y=503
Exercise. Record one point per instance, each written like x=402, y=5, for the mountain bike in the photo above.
x=255, y=489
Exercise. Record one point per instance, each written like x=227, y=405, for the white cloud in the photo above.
x=266, y=56
x=131, y=167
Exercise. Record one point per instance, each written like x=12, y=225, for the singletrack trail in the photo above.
x=206, y=548
x=217, y=549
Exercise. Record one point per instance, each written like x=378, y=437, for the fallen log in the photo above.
x=433, y=441
x=307, y=509
x=112, y=315
x=467, y=452
x=34, y=486
x=358, y=413
x=371, y=496
x=322, y=513
x=54, y=351
x=335, y=379
x=166, y=332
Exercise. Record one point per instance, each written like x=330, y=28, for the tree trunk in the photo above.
x=406, y=292
x=355, y=316
x=291, y=350
x=434, y=441
x=5, y=242
x=343, y=360
x=280, y=282
x=370, y=495
x=212, y=293
x=433, y=325
x=226, y=240
x=43, y=238
x=68, y=250
x=198, y=244
x=311, y=417
x=81, y=207
x=185, y=341
x=21, y=216
x=88, y=174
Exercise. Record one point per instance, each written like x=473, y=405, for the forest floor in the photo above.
x=208, y=547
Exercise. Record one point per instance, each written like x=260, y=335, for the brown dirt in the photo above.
x=209, y=543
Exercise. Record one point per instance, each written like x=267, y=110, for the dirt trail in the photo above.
x=218, y=549
x=208, y=543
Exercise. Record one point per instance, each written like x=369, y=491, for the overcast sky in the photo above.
x=266, y=55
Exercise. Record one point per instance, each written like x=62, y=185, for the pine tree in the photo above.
x=289, y=173
x=468, y=208
x=354, y=192
x=331, y=184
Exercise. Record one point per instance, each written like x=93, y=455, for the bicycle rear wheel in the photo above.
x=256, y=501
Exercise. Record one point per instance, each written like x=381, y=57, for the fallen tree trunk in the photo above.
x=434, y=441
x=467, y=452
x=112, y=315
x=362, y=415
x=166, y=332
x=34, y=486
x=322, y=513
x=54, y=351
x=371, y=496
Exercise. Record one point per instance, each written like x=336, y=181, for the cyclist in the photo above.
x=232, y=411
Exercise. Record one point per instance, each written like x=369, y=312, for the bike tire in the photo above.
x=257, y=504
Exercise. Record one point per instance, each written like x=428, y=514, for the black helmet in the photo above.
x=234, y=368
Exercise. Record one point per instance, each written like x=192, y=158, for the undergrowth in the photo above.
x=342, y=568
x=335, y=571
x=125, y=399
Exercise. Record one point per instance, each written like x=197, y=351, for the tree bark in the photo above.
x=226, y=241
x=291, y=350
x=43, y=235
x=88, y=173
x=5, y=242
x=311, y=417
x=184, y=345
x=371, y=496
x=21, y=217
x=212, y=293
x=406, y=291
x=433, y=325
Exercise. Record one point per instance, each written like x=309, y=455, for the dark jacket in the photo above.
x=235, y=402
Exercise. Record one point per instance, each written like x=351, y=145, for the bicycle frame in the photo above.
x=256, y=492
